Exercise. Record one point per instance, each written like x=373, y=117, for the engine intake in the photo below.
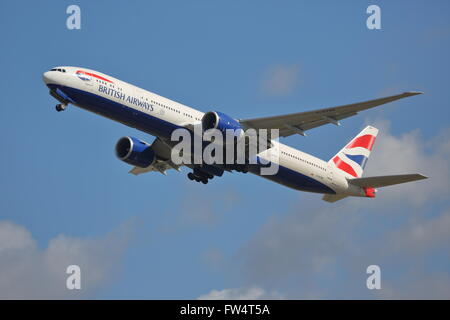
x=220, y=121
x=135, y=152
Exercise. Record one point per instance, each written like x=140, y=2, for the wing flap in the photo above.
x=159, y=166
x=163, y=162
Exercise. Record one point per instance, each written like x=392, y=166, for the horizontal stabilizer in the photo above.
x=333, y=197
x=384, y=181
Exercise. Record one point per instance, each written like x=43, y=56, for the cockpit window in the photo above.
x=60, y=70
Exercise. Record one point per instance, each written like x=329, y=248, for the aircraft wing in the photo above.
x=298, y=123
x=162, y=163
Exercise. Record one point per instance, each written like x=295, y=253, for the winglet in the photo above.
x=413, y=93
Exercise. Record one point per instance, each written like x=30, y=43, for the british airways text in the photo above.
x=122, y=96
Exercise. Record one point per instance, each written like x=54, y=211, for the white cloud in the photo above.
x=423, y=287
x=299, y=248
x=280, y=80
x=251, y=293
x=419, y=236
x=26, y=272
x=409, y=153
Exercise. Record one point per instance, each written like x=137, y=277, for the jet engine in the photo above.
x=220, y=121
x=135, y=152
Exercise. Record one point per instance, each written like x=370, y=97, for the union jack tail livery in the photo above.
x=352, y=159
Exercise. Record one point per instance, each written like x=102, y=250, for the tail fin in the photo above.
x=352, y=159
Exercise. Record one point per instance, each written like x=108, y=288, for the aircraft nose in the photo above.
x=49, y=77
x=46, y=77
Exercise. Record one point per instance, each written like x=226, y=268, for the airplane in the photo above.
x=336, y=179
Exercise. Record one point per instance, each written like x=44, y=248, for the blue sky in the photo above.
x=62, y=186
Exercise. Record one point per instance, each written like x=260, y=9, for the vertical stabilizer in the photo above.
x=352, y=159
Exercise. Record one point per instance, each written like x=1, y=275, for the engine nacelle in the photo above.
x=220, y=121
x=135, y=152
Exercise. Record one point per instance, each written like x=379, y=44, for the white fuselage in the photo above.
x=82, y=85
